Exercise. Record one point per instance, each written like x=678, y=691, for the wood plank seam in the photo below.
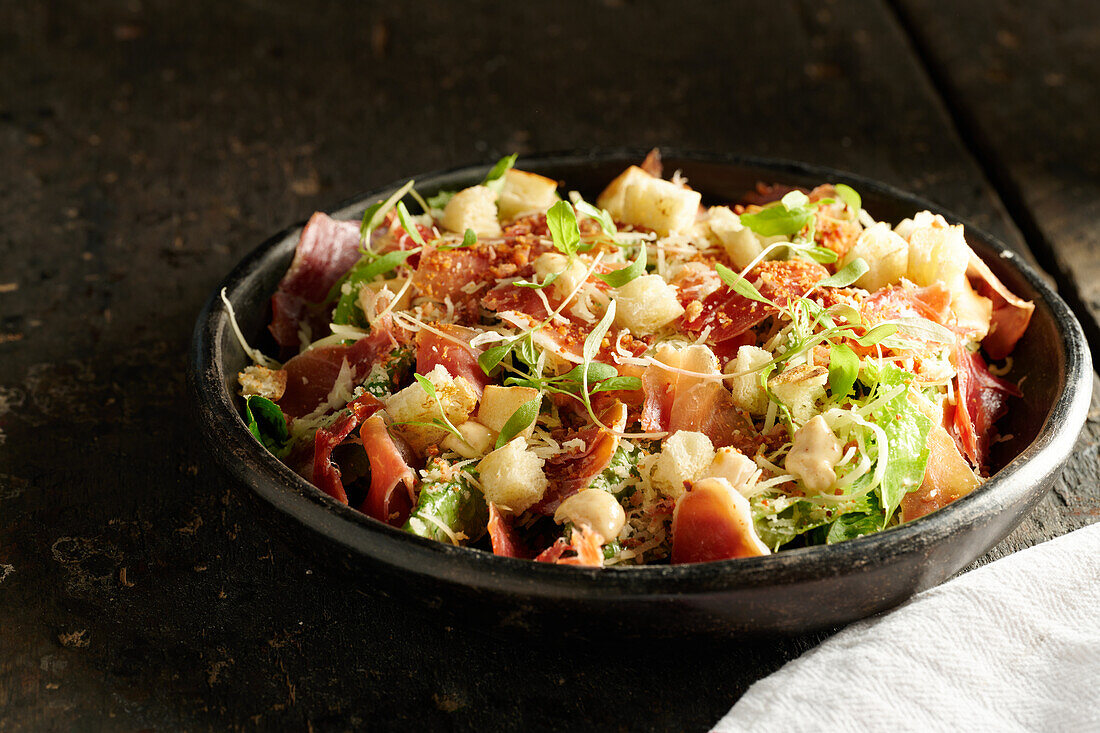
x=969, y=131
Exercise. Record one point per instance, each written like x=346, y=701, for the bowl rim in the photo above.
x=276, y=484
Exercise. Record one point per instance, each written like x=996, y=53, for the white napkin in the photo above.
x=1010, y=646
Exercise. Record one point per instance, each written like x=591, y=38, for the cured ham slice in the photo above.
x=326, y=250
x=980, y=401
x=453, y=351
x=510, y=297
x=312, y=374
x=676, y=401
x=947, y=477
x=503, y=537
x=326, y=474
x=728, y=314
x=460, y=275
x=1010, y=313
x=309, y=379
x=570, y=471
x=908, y=301
x=587, y=547
x=390, y=497
x=712, y=521
x=708, y=408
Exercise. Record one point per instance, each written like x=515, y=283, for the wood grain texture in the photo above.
x=144, y=148
x=1024, y=86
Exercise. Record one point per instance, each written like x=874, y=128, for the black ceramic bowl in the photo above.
x=796, y=590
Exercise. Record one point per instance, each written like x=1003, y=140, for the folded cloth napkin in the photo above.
x=1010, y=646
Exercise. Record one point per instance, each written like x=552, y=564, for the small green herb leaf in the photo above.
x=469, y=239
x=843, y=370
x=619, y=383
x=536, y=285
x=620, y=277
x=850, y=198
x=494, y=179
x=362, y=273
x=267, y=424
x=740, y=285
x=445, y=423
x=491, y=357
x=441, y=199
x=525, y=350
x=924, y=329
x=408, y=225
x=525, y=415
x=824, y=255
x=597, y=371
x=603, y=216
x=782, y=218
x=595, y=339
x=562, y=222
x=374, y=214
x=877, y=334
x=845, y=276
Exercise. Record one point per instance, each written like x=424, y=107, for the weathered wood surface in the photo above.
x=1021, y=81
x=1024, y=83
x=145, y=147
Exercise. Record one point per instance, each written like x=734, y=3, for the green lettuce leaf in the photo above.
x=907, y=429
x=457, y=504
x=267, y=424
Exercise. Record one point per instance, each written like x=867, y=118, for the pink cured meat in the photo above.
x=459, y=359
x=326, y=250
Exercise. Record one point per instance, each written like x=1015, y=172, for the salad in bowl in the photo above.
x=638, y=379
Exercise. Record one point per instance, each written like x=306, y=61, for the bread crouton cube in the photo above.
x=733, y=466
x=498, y=404
x=685, y=455
x=524, y=192
x=472, y=208
x=614, y=195
x=938, y=253
x=886, y=255
x=264, y=382
x=512, y=476
x=660, y=205
x=414, y=405
x=920, y=220
x=742, y=246
x=645, y=304
x=799, y=388
x=476, y=440
x=748, y=393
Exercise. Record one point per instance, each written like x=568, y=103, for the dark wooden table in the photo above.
x=145, y=146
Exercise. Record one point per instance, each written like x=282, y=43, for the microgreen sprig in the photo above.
x=442, y=424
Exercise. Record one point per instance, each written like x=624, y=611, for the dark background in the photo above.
x=146, y=146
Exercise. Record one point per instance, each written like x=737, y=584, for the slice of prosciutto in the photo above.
x=570, y=471
x=503, y=537
x=326, y=250
x=980, y=399
x=586, y=545
x=713, y=521
x=390, y=497
x=451, y=348
x=1010, y=313
x=947, y=477
x=326, y=474
x=312, y=374
x=728, y=314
